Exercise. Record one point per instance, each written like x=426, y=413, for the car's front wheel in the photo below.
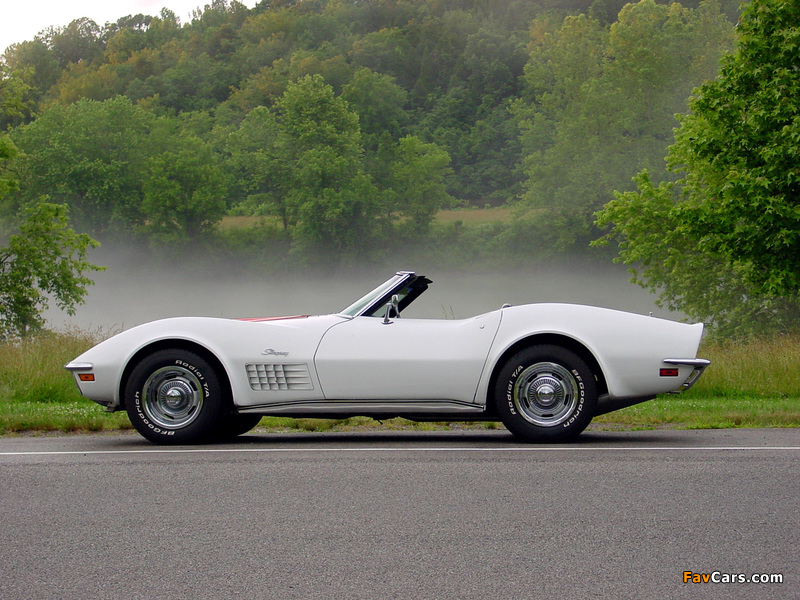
x=545, y=393
x=175, y=397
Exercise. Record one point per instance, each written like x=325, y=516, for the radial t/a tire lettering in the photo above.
x=175, y=397
x=545, y=394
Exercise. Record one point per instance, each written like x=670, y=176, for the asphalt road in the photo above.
x=401, y=515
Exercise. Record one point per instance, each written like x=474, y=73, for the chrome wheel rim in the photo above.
x=546, y=394
x=172, y=397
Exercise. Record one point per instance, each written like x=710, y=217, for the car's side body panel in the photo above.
x=367, y=358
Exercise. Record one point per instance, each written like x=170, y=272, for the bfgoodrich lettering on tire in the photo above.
x=174, y=397
x=545, y=393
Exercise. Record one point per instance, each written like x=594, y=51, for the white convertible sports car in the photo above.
x=544, y=370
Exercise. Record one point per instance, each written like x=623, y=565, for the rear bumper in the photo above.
x=699, y=365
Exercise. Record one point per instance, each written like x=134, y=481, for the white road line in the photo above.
x=395, y=449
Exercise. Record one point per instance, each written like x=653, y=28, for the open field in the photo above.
x=750, y=384
x=467, y=216
x=475, y=216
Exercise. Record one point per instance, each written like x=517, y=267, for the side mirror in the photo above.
x=392, y=310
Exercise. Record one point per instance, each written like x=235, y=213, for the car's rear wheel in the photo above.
x=175, y=397
x=545, y=393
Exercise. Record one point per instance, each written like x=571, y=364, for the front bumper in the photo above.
x=95, y=386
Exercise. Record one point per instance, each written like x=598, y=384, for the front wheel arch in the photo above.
x=178, y=344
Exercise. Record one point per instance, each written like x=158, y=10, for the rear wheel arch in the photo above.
x=548, y=339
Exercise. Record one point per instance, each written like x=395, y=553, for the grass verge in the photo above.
x=693, y=412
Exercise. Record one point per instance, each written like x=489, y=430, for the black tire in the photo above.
x=235, y=425
x=545, y=394
x=175, y=397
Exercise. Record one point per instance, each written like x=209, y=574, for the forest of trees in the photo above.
x=350, y=123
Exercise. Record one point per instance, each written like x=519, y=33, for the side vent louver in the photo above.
x=279, y=377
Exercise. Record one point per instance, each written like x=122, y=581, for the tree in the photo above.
x=471, y=119
x=78, y=41
x=599, y=103
x=740, y=151
x=14, y=92
x=319, y=142
x=388, y=51
x=382, y=118
x=261, y=173
x=91, y=156
x=35, y=63
x=184, y=191
x=667, y=261
x=46, y=259
x=723, y=242
x=418, y=181
x=8, y=151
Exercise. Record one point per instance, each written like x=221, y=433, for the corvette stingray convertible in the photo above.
x=544, y=370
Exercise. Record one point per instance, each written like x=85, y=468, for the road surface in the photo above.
x=406, y=515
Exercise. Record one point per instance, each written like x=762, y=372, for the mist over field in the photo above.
x=130, y=293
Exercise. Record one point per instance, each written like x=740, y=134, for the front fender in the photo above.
x=233, y=343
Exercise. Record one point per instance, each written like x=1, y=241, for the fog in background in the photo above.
x=129, y=293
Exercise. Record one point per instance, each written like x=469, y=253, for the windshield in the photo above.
x=405, y=284
x=379, y=292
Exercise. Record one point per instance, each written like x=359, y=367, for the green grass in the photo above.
x=768, y=368
x=703, y=412
x=32, y=370
x=750, y=384
x=37, y=394
x=62, y=416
